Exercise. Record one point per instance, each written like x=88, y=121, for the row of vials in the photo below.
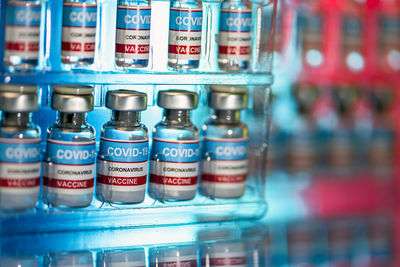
x=123, y=159
x=133, y=20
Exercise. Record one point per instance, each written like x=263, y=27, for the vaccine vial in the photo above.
x=234, y=50
x=133, y=33
x=123, y=156
x=19, y=148
x=78, y=32
x=225, y=164
x=69, y=162
x=175, y=154
x=185, y=24
x=222, y=253
x=119, y=258
x=68, y=259
x=22, y=35
x=174, y=256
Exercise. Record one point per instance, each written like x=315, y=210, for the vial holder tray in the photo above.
x=104, y=76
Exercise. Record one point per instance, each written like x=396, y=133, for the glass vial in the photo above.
x=123, y=156
x=175, y=154
x=21, y=50
x=118, y=258
x=68, y=170
x=222, y=253
x=174, y=256
x=225, y=164
x=185, y=24
x=133, y=33
x=234, y=50
x=68, y=259
x=19, y=148
x=79, y=32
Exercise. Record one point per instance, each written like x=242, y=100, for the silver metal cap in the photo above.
x=17, y=102
x=72, y=103
x=177, y=99
x=18, y=88
x=73, y=89
x=228, y=88
x=126, y=100
x=221, y=100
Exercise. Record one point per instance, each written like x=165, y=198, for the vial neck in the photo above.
x=126, y=117
x=177, y=116
x=19, y=119
x=71, y=120
x=227, y=116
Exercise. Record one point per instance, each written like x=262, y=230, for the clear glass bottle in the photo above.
x=174, y=256
x=69, y=161
x=133, y=33
x=185, y=31
x=224, y=253
x=19, y=148
x=79, y=32
x=234, y=50
x=123, y=156
x=225, y=137
x=175, y=154
x=22, y=34
x=68, y=258
x=129, y=257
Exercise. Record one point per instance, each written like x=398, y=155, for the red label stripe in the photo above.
x=19, y=183
x=226, y=179
x=234, y=50
x=68, y=184
x=228, y=261
x=167, y=180
x=78, y=47
x=132, y=49
x=22, y=46
x=121, y=181
x=184, y=49
x=188, y=263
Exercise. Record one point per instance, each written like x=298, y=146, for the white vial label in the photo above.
x=122, y=165
x=22, y=30
x=133, y=32
x=79, y=30
x=71, y=167
x=235, y=35
x=19, y=166
x=185, y=33
x=175, y=164
x=225, y=163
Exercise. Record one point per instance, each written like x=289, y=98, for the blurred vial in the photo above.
x=22, y=33
x=175, y=154
x=225, y=163
x=79, y=32
x=133, y=33
x=19, y=148
x=69, y=259
x=303, y=146
x=123, y=156
x=353, y=58
x=312, y=39
x=18, y=261
x=340, y=243
x=69, y=162
x=381, y=148
x=380, y=241
x=341, y=151
x=234, y=50
x=223, y=253
x=174, y=256
x=121, y=258
x=300, y=242
x=389, y=43
x=185, y=25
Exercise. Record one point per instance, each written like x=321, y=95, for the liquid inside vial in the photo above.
x=22, y=34
x=175, y=153
x=123, y=155
x=133, y=33
x=234, y=50
x=69, y=161
x=19, y=149
x=79, y=32
x=185, y=30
